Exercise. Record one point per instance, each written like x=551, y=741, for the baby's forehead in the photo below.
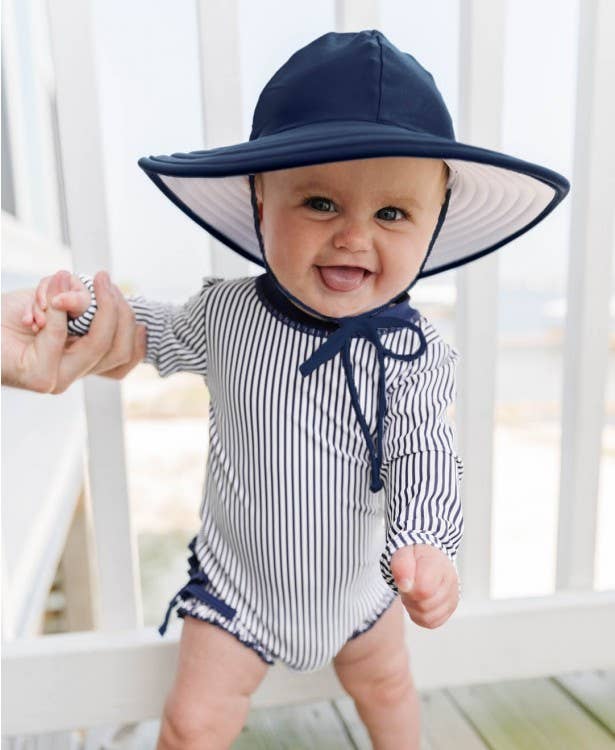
x=382, y=174
x=406, y=165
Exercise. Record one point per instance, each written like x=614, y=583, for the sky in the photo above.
x=147, y=58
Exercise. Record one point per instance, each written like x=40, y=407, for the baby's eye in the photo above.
x=319, y=203
x=316, y=201
x=393, y=208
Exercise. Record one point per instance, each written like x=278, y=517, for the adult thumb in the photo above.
x=59, y=282
x=403, y=568
x=48, y=344
x=52, y=337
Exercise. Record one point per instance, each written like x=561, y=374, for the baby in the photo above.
x=308, y=578
x=325, y=384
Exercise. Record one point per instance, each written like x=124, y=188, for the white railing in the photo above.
x=59, y=682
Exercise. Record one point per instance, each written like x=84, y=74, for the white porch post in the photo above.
x=589, y=281
x=82, y=154
x=218, y=30
x=480, y=114
x=356, y=15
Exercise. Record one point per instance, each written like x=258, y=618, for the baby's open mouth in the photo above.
x=343, y=278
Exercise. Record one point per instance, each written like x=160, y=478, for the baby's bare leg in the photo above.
x=374, y=669
x=210, y=698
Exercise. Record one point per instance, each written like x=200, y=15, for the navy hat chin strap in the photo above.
x=366, y=325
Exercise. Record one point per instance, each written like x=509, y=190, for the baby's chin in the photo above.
x=336, y=304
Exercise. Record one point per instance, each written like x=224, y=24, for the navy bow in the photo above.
x=196, y=588
x=340, y=340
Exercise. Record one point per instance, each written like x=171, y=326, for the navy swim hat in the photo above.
x=355, y=96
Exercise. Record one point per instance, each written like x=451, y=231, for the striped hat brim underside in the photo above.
x=494, y=197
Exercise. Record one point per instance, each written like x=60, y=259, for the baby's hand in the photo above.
x=434, y=592
x=74, y=302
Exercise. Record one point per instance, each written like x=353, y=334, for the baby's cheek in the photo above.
x=374, y=298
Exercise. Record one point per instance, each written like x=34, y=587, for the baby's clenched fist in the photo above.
x=74, y=302
x=427, y=582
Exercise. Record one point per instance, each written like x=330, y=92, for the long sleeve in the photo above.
x=422, y=469
x=176, y=340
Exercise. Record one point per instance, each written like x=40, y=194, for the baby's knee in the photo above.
x=388, y=687
x=205, y=723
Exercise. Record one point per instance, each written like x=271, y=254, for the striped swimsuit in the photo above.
x=293, y=553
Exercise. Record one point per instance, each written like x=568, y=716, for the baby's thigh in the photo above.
x=210, y=698
x=377, y=659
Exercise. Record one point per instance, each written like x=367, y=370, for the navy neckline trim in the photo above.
x=295, y=316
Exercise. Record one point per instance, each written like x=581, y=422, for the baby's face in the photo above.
x=372, y=217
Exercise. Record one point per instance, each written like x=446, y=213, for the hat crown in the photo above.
x=352, y=76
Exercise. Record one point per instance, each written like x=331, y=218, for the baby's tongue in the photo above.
x=342, y=278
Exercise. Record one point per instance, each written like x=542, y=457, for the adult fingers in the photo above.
x=49, y=343
x=87, y=351
x=41, y=302
x=139, y=349
x=42, y=294
x=122, y=351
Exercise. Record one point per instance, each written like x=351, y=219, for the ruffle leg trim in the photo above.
x=207, y=614
x=197, y=588
x=365, y=628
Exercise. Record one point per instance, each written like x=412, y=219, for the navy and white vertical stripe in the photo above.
x=422, y=467
x=292, y=539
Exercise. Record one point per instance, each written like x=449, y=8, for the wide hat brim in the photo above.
x=494, y=197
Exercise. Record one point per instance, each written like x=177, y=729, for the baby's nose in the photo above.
x=354, y=236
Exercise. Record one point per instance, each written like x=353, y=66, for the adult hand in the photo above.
x=431, y=593
x=50, y=361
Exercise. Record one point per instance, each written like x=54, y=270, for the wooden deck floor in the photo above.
x=575, y=711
